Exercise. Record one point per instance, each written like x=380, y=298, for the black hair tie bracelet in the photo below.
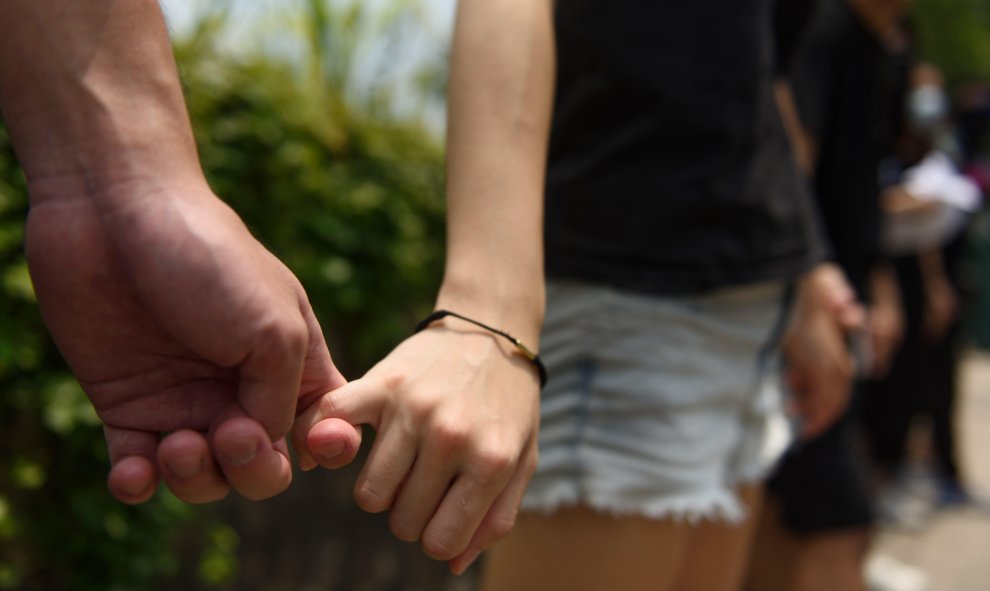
x=526, y=351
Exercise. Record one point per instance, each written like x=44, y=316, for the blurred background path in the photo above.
x=952, y=548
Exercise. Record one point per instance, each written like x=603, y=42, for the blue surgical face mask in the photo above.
x=927, y=108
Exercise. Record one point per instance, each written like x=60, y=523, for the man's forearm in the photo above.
x=500, y=99
x=89, y=90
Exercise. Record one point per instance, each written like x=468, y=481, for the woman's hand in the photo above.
x=456, y=413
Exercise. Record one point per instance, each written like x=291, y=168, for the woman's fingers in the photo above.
x=501, y=517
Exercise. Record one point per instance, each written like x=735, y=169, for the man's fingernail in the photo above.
x=241, y=453
x=184, y=467
x=136, y=489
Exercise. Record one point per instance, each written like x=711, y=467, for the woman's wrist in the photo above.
x=513, y=304
x=520, y=347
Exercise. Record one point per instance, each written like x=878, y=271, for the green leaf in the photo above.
x=67, y=407
x=27, y=474
x=17, y=282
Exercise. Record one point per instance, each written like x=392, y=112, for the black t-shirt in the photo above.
x=848, y=88
x=669, y=171
x=790, y=17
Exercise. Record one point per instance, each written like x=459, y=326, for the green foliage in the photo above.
x=955, y=35
x=344, y=191
x=350, y=199
x=59, y=528
x=219, y=561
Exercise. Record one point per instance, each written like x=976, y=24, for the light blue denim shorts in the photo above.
x=659, y=406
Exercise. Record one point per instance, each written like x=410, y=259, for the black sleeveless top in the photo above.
x=669, y=171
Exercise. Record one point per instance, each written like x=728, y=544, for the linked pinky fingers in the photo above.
x=333, y=443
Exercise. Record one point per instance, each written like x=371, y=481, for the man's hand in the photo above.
x=456, y=415
x=820, y=367
x=173, y=318
x=176, y=321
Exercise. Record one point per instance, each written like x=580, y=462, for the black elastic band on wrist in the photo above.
x=526, y=351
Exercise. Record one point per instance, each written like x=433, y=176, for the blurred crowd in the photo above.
x=897, y=160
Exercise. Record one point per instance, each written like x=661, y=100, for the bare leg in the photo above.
x=718, y=552
x=783, y=561
x=831, y=561
x=579, y=549
x=773, y=554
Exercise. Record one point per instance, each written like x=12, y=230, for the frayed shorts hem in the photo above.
x=693, y=508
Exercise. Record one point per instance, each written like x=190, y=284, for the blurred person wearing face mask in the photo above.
x=926, y=205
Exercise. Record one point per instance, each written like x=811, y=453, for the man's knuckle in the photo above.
x=282, y=335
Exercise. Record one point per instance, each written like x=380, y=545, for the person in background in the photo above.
x=927, y=204
x=846, y=76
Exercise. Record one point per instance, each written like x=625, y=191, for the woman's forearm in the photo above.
x=500, y=99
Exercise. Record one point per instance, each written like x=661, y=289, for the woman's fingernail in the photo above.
x=467, y=563
x=332, y=452
x=306, y=464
